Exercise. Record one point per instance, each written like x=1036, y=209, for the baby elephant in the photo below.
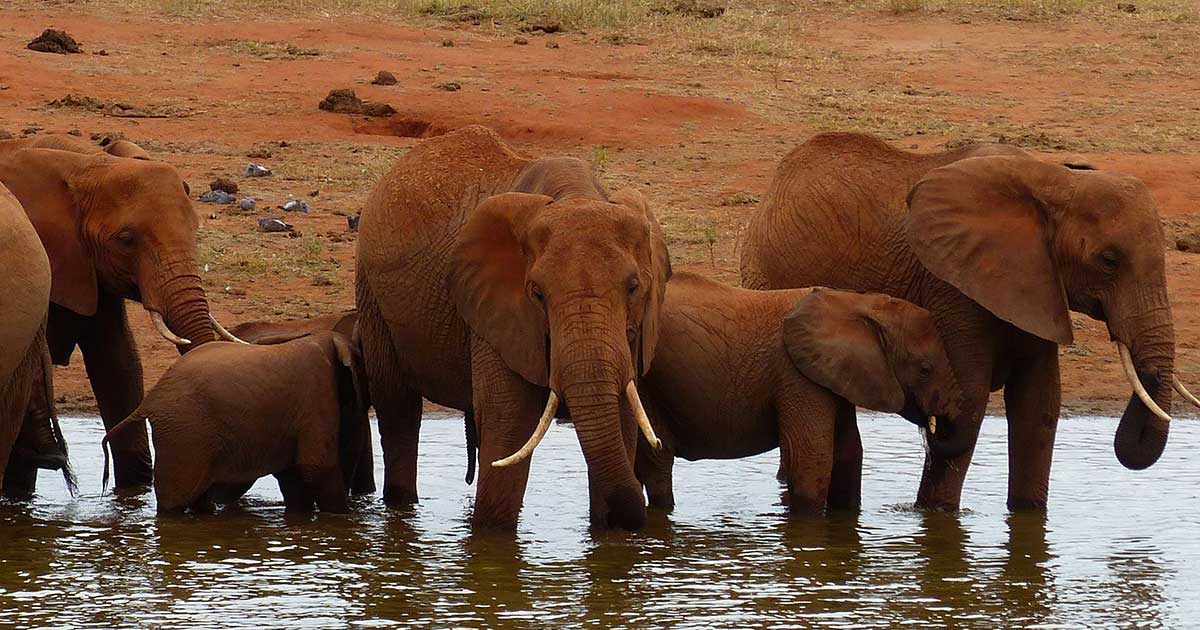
x=740, y=372
x=226, y=414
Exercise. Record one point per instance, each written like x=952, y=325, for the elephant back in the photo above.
x=833, y=214
x=24, y=284
x=407, y=231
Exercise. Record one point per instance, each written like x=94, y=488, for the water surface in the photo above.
x=1116, y=549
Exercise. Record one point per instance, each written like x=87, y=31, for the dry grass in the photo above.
x=1046, y=10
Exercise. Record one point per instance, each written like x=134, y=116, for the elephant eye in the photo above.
x=632, y=285
x=926, y=369
x=125, y=237
x=1109, y=260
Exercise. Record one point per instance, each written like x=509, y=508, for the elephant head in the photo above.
x=568, y=292
x=1029, y=240
x=117, y=225
x=877, y=352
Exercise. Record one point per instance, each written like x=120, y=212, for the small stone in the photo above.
x=313, y=193
x=212, y=215
x=75, y=132
x=295, y=234
x=551, y=44
x=101, y=52
x=520, y=41
x=295, y=205
x=283, y=144
x=274, y=225
x=224, y=184
x=448, y=86
x=1127, y=7
x=254, y=169
x=384, y=78
x=447, y=43
x=217, y=196
x=378, y=109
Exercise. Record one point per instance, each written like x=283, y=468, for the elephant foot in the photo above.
x=399, y=497
x=662, y=501
x=1022, y=504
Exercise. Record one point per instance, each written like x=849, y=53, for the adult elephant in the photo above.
x=998, y=246
x=114, y=229
x=31, y=439
x=499, y=286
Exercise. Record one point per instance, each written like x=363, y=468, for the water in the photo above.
x=1116, y=549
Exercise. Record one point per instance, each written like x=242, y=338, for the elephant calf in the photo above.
x=227, y=414
x=739, y=372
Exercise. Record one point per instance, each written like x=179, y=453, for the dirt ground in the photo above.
x=695, y=115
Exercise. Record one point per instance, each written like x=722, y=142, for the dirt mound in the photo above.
x=345, y=101
x=384, y=78
x=55, y=41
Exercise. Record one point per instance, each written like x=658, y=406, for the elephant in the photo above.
x=999, y=247
x=738, y=372
x=226, y=414
x=266, y=332
x=113, y=229
x=500, y=285
x=28, y=441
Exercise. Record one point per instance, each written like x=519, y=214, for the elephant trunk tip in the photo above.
x=624, y=508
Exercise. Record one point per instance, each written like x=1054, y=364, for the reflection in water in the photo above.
x=1117, y=548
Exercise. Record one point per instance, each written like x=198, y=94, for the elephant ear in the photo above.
x=984, y=226
x=658, y=268
x=837, y=340
x=487, y=282
x=49, y=184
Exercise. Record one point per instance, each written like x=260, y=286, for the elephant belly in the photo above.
x=727, y=437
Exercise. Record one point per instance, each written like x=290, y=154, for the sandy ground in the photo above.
x=699, y=131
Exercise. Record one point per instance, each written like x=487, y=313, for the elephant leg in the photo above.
x=506, y=409
x=653, y=468
x=845, y=486
x=14, y=398
x=1031, y=397
x=781, y=472
x=296, y=495
x=115, y=372
x=363, y=481
x=397, y=408
x=942, y=480
x=318, y=468
x=806, y=439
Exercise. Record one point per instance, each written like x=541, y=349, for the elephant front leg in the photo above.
x=115, y=372
x=1032, y=397
x=845, y=486
x=806, y=443
x=943, y=478
x=506, y=410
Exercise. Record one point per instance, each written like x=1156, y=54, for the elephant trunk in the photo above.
x=179, y=299
x=1150, y=341
x=591, y=366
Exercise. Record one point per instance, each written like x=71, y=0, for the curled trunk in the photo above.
x=1150, y=335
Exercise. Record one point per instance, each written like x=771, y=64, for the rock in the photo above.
x=314, y=193
x=274, y=225
x=101, y=53
x=378, y=109
x=551, y=44
x=295, y=205
x=55, y=41
x=542, y=27
x=520, y=41
x=448, y=86
x=352, y=222
x=106, y=138
x=224, y=184
x=384, y=78
x=447, y=43
x=1127, y=7
x=7, y=135
x=217, y=196
x=31, y=130
x=248, y=204
x=212, y=215
x=254, y=169
x=344, y=101
x=75, y=132
x=295, y=234
x=259, y=153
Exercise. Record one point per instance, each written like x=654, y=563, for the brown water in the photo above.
x=1116, y=549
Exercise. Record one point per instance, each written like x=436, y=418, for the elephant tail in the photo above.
x=133, y=419
x=472, y=445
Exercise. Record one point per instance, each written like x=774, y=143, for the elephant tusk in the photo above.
x=224, y=334
x=932, y=425
x=543, y=425
x=1183, y=391
x=639, y=414
x=1141, y=392
x=166, y=332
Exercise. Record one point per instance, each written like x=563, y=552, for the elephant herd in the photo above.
x=519, y=290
